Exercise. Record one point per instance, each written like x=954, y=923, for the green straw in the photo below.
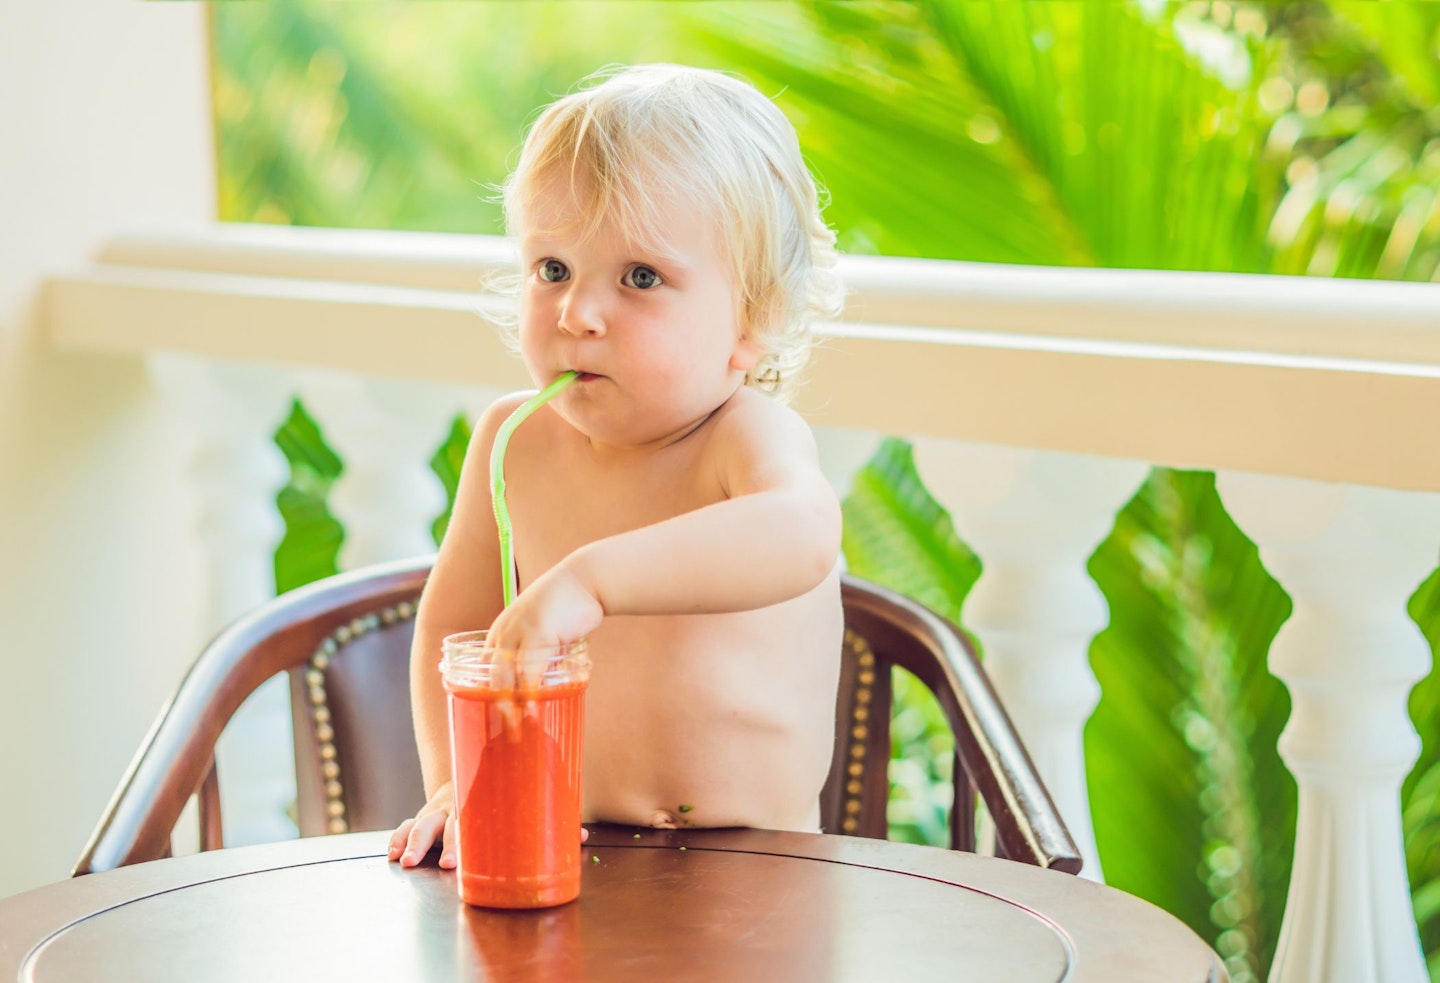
x=497, y=477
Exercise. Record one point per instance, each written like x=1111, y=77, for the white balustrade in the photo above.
x=1350, y=558
x=385, y=432
x=234, y=410
x=1034, y=519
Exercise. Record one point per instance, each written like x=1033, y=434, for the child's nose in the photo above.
x=582, y=316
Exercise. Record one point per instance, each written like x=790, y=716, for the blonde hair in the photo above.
x=631, y=138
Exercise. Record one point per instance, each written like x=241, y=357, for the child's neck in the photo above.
x=622, y=452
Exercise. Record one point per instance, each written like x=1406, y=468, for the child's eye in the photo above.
x=554, y=271
x=641, y=278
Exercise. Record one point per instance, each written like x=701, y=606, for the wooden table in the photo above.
x=741, y=905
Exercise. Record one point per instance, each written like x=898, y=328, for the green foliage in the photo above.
x=1181, y=750
x=1362, y=139
x=446, y=464
x=1192, y=807
x=312, y=536
x=897, y=535
x=922, y=765
x=1004, y=132
x=397, y=116
x=1421, y=793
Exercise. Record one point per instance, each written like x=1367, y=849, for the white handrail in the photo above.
x=1366, y=320
x=1322, y=379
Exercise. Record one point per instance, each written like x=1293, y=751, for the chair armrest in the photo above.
x=1028, y=826
x=178, y=753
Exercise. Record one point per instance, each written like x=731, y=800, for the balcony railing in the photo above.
x=1038, y=400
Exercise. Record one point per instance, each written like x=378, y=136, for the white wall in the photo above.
x=104, y=125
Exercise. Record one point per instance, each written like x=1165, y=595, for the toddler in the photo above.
x=667, y=505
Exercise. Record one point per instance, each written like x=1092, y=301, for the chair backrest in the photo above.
x=356, y=766
x=884, y=631
x=177, y=758
x=345, y=643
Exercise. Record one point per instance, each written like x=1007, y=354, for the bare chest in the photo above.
x=560, y=502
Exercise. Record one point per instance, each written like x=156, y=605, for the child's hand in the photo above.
x=556, y=609
x=414, y=837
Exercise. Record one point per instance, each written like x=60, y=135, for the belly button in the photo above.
x=662, y=820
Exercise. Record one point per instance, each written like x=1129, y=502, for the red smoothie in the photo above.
x=516, y=755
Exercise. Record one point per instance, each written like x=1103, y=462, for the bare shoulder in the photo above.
x=487, y=427
x=474, y=476
x=751, y=418
x=495, y=416
x=464, y=587
x=759, y=443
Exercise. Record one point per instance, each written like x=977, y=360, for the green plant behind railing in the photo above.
x=1419, y=793
x=311, y=546
x=1183, y=741
x=1193, y=808
x=446, y=464
x=1181, y=751
x=312, y=538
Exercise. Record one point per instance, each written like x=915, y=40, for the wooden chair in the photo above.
x=345, y=643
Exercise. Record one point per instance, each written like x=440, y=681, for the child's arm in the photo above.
x=462, y=593
x=775, y=537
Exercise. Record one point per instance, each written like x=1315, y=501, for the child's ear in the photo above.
x=747, y=352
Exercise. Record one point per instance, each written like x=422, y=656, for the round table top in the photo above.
x=744, y=905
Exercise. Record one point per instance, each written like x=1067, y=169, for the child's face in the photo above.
x=655, y=334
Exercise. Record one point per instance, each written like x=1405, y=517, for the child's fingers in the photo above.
x=448, y=844
x=422, y=837
x=398, y=838
x=584, y=834
x=535, y=662
x=502, y=670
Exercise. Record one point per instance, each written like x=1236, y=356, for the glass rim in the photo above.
x=466, y=660
x=468, y=642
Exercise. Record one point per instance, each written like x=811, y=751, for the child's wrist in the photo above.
x=580, y=566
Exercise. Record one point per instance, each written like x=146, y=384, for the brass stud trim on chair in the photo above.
x=859, y=713
x=320, y=722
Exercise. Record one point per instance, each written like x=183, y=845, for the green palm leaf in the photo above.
x=897, y=535
x=1182, y=670
x=1004, y=132
x=1363, y=188
x=446, y=464
x=312, y=539
x=1421, y=793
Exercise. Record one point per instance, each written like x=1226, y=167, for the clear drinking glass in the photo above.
x=516, y=743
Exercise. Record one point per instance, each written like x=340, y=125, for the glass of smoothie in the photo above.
x=517, y=723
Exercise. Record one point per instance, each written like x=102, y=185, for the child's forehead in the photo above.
x=555, y=210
